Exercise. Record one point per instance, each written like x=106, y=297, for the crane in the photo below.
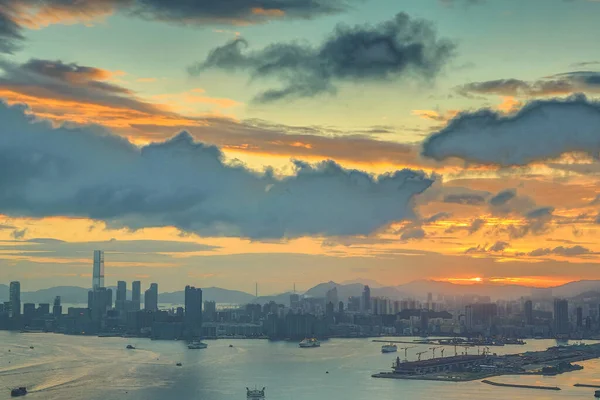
x=419, y=354
x=433, y=349
x=406, y=352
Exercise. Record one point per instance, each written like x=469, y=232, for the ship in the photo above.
x=255, y=394
x=389, y=348
x=312, y=342
x=130, y=347
x=197, y=345
x=18, y=392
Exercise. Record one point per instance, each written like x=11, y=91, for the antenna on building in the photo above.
x=256, y=290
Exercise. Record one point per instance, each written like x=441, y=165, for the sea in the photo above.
x=91, y=368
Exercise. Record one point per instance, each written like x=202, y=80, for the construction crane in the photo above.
x=419, y=355
x=433, y=349
x=406, y=352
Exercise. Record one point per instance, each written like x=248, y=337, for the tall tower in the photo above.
x=193, y=311
x=366, y=299
x=98, y=273
x=561, y=317
x=15, y=298
x=121, y=295
x=136, y=294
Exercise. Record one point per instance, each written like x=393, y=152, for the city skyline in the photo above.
x=343, y=140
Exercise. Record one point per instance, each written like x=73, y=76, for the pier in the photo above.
x=511, y=385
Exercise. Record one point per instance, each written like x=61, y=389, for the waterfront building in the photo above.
x=354, y=303
x=193, y=311
x=528, y=312
x=366, y=299
x=294, y=301
x=43, y=309
x=480, y=315
x=331, y=296
x=579, y=317
x=98, y=270
x=136, y=294
x=561, y=317
x=15, y=299
x=57, y=307
x=151, y=298
x=121, y=296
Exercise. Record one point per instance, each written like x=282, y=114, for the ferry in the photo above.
x=18, y=392
x=197, y=345
x=312, y=342
x=389, y=348
x=255, y=394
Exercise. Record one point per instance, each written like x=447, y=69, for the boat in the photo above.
x=130, y=347
x=18, y=392
x=255, y=394
x=312, y=342
x=230, y=345
x=597, y=394
x=197, y=345
x=389, y=348
x=179, y=364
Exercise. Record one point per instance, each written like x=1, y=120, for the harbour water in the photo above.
x=77, y=367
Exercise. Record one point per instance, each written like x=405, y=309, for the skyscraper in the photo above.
x=15, y=299
x=98, y=272
x=561, y=317
x=121, y=295
x=579, y=313
x=151, y=298
x=57, y=307
x=136, y=294
x=366, y=299
x=529, y=312
x=332, y=296
x=193, y=311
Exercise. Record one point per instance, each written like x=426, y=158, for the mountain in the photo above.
x=353, y=289
x=215, y=294
x=572, y=289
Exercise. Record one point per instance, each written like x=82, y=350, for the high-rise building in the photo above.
x=98, y=271
x=354, y=303
x=28, y=312
x=136, y=294
x=366, y=299
x=528, y=312
x=43, y=309
x=121, y=296
x=332, y=296
x=294, y=301
x=210, y=310
x=15, y=299
x=193, y=311
x=57, y=307
x=480, y=314
x=561, y=317
x=579, y=313
x=151, y=298
x=99, y=301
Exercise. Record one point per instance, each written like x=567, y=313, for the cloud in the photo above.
x=397, y=48
x=541, y=130
x=18, y=234
x=497, y=247
x=34, y=14
x=503, y=197
x=573, y=251
x=89, y=172
x=464, y=198
x=476, y=225
x=413, y=234
x=554, y=85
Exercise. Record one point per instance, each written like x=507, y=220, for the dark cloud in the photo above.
x=437, y=217
x=573, y=251
x=17, y=14
x=464, y=198
x=413, y=234
x=18, y=234
x=476, y=225
x=400, y=47
x=88, y=172
x=503, y=197
x=541, y=130
x=497, y=247
x=560, y=84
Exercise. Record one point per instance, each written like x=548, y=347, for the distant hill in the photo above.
x=209, y=294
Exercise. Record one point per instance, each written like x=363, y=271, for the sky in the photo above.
x=299, y=141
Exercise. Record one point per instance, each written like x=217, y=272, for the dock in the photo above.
x=585, y=385
x=520, y=386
